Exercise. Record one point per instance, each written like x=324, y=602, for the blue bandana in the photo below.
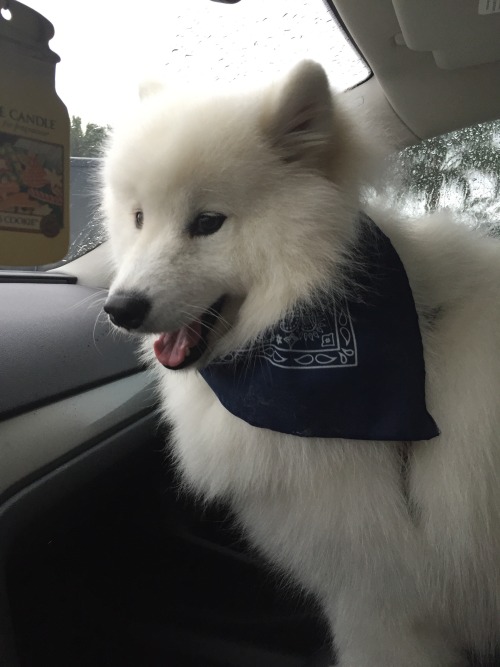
x=351, y=368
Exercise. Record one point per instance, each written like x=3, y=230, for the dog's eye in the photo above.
x=139, y=219
x=206, y=223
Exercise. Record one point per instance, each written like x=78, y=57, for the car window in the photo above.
x=459, y=171
x=105, y=56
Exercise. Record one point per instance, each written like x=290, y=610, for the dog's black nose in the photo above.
x=127, y=310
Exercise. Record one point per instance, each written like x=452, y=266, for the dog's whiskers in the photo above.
x=219, y=319
x=94, y=299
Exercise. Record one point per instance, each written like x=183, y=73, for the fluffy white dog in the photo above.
x=290, y=356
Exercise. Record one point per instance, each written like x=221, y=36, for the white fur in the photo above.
x=405, y=581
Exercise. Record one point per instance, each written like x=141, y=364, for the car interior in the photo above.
x=104, y=561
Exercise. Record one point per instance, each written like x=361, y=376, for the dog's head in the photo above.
x=223, y=212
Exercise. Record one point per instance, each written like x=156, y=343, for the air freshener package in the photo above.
x=34, y=142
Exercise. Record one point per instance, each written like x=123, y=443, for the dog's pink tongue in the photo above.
x=171, y=348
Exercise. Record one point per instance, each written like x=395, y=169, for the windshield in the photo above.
x=108, y=47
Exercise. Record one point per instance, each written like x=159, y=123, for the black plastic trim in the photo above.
x=7, y=276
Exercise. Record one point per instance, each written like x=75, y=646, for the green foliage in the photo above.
x=460, y=170
x=89, y=142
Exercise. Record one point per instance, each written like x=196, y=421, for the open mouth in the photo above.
x=179, y=349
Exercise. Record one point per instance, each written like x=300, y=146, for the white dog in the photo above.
x=294, y=374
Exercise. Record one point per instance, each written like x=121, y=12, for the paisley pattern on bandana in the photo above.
x=314, y=340
x=348, y=367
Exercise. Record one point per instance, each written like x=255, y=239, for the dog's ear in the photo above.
x=299, y=124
